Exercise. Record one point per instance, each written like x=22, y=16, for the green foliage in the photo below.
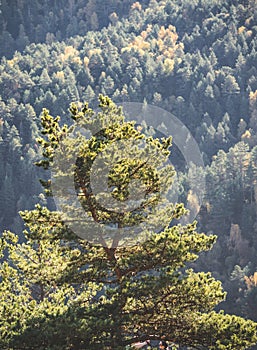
x=68, y=293
x=37, y=22
x=195, y=59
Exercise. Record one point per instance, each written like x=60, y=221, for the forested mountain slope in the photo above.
x=196, y=59
x=23, y=22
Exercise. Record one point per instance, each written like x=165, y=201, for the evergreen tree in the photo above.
x=8, y=203
x=44, y=78
x=89, y=93
x=22, y=41
x=97, y=292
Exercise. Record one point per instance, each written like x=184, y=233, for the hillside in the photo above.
x=196, y=59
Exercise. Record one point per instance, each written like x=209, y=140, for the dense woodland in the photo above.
x=196, y=59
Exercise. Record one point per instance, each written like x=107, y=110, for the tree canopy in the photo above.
x=105, y=290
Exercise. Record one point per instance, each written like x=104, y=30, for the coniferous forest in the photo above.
x=197, y=59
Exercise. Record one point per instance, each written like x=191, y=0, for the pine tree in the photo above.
x=44, y=79
x=22, y=40
x=111, y=288
x=89, y=93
